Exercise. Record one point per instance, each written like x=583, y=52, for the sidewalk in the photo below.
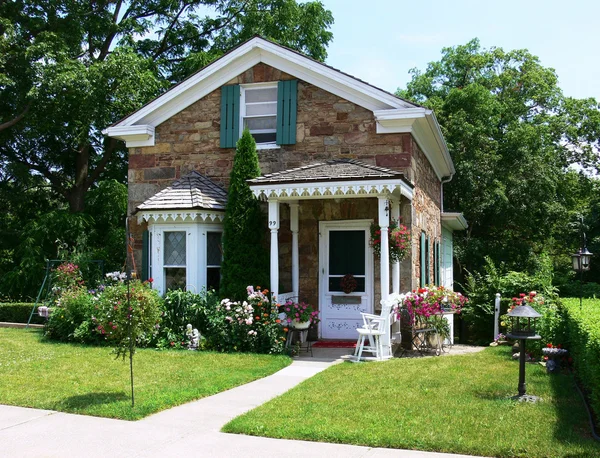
x=191, y=429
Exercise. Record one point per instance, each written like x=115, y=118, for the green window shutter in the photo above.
x=423, y=258
x=428, y=261
x=145, y=256
x=230, y=115
x=287, y=96
x=436, y=263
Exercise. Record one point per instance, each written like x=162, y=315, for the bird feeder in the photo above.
x=523, y=323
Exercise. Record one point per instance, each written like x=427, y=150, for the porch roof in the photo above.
x=333, y=178
x=192, y=191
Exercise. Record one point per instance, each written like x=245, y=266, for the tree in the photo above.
x=69, y=68
x=513, y=137
x=245, y=260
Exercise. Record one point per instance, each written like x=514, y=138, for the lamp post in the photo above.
x=581, y=261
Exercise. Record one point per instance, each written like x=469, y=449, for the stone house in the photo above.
x=336, y=155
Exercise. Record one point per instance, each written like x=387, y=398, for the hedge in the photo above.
x=18, y=312
x=582, y=333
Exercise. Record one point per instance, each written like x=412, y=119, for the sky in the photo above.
x=379, y=41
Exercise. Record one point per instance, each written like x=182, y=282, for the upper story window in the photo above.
x=268, y=110
x=259, y=112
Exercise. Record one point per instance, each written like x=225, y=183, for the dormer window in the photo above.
x=259, y=112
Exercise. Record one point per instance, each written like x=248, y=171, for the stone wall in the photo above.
x=327, y=127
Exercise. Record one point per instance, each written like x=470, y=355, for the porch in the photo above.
x=324, y=212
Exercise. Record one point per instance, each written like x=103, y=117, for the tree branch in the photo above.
x=108, y=152
x=111, y=36
x=163, y=44
x=13, y=121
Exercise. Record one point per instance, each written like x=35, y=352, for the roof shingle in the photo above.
x=190, y=191
x=333, y=170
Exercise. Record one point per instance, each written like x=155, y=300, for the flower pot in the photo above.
x=300, y=324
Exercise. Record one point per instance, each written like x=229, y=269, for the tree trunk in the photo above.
x=76, y=198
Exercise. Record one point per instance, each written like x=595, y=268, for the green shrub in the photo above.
x=180, y=309
x=245, y=260
x=71, y=315
x=252, y=325
x=481, y=289
x=18, y=312
x=582, y=329
x=127, y=312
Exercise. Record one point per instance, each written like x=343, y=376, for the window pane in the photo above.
x=264, y=122
x=334, y=284
x=265, y=138
x=262, y=109
x=213, y=278
x=213, y=249
x=174, y=248
x=267, y=94
x=347, y=252
x=175, y=278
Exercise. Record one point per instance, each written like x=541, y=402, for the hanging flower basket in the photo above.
x=398, y=240
x=348, y=283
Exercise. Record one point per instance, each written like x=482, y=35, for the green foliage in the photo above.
x=71, y=318
x=512, y=135
x=128, y=315
x=18, y=312
x=583, y=342
x=245, y=259
x=182, y=308
x=251, y=325
x=481, y=289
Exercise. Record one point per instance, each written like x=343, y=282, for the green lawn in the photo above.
x=454, y=404
x=88, y=380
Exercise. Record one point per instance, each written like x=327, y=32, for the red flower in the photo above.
x=150, y=280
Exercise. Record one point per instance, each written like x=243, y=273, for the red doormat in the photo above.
x=335, y=344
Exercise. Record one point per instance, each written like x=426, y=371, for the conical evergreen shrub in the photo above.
x=245, y=258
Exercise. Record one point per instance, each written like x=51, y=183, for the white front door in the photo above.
x=344, y=249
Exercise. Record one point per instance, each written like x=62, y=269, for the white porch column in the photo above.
x=295, y=261
x=384, y=222
x=274, y=226
x=396, y=266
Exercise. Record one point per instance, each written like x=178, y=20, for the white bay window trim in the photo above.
x=196, y=253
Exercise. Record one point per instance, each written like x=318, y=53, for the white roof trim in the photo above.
x=238, y=61
x=454, y=221
x=180, y=216
x=331, y=190
x=423, y=125
x=134, y=136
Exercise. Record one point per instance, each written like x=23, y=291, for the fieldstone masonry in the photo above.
x=327, y=127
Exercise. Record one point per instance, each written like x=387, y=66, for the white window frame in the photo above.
x=243, y=89
x=196, y=252
x=206, y=265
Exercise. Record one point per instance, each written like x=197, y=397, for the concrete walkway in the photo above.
x=188, y=430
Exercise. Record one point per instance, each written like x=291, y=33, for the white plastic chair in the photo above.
x=374, y=329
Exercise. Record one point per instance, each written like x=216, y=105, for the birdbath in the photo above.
x=523, y=320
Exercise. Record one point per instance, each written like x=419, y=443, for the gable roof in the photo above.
x=393, y=114
x=333, y=170
x=192, y=191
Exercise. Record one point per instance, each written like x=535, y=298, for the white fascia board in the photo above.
x=134, y=136
x=329, y=79
x=454, y=221
x=246, y=56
